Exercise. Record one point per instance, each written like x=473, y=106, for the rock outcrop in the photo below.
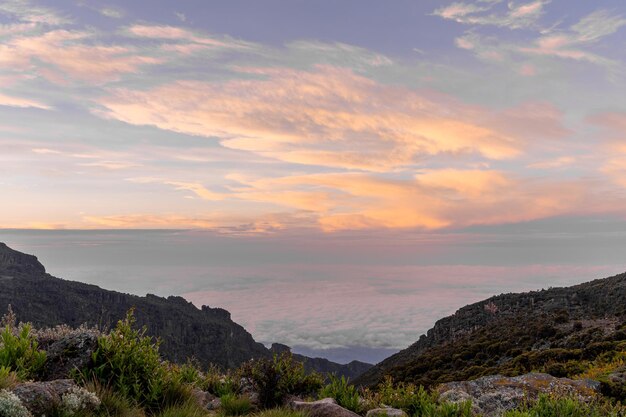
x=326, y=407
x=41, y=398
x=386, y=412
x=492, y=395
x=68, y=354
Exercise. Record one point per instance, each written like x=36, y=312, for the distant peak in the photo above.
x=12, y=260
x=279, y=348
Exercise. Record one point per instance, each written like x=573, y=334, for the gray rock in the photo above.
x=618, y=376
x=202, y=398
x=493, y=395
x=71, y=352
x=327, y=407
x=214, y=404
x=386, y=412
x=41, y=398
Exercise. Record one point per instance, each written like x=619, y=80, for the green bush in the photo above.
x=188, y=409
x=218, y=383
x=416, y=401
x=345, y=394
x=8, y=378
x=112, y=404
x=276, y=378
x=547, y=406
x=129, y=362
x=20, y=352
x=232, y=405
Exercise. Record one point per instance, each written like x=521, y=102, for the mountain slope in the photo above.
x=555, y=330
x=350, y=370
x=207, y=334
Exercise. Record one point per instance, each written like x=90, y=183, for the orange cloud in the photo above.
x=332, y=117
x=64, y=53
x=433, y=199
x=11, y=101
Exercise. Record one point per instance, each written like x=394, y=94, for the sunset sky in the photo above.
x=271, y=121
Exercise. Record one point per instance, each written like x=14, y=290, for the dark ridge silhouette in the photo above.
x=206, y=334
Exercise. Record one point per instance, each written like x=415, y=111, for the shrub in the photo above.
x=232, y=405
x=276, y=378
x=79, y=400
x=20, y=353
x=113, y=404
x=11, y=405
x=174, y=392
x=8, y=378
x=188, y=373
x=129, y=362
x=218, y=383
x=417, y=401
x=547, y=406
x=188, y=409
x=345, y=394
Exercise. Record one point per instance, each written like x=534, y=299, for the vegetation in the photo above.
x=544, y=343
x=233, y=405
x=345, y=394
x=276, y=378
x=128, y=378
x=415, y=401
x=546, y=406
x=19, y=352
x=130, y=363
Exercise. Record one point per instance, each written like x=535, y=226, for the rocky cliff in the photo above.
x=499, y=331
x=207, y=334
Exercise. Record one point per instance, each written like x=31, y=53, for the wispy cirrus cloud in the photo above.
x=574, y=43
x=63, y=56
x=571, y=44
x=12, y=101
x=516, y=15
x=27, y=11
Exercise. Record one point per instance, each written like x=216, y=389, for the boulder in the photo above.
x=386, y=412
x=71, y=352
x=493, y=395
x=327, y=407
x=214, y=404
x=618, y=376
x=202, y=398
x=41, y=398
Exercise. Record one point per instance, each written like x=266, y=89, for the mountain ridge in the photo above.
x=206, y=334
x=590, y=301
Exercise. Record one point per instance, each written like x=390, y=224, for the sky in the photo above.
x=467, y=136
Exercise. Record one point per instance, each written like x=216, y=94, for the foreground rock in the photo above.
x=70, y=353
x=386, y=412
x=42, y=398
x=327, y=407
x=493, y=395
